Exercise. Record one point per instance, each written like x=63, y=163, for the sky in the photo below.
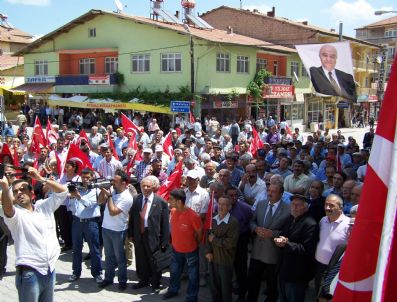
x=39, y=17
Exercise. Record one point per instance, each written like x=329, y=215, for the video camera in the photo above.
x=76, y=185
x=23, y=173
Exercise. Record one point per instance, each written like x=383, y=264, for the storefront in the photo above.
x=224, y=109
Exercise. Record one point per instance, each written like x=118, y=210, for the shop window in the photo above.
x=314, y=112
x=223, y=62
x=41, y=68
x=111, y=65
x=242, y=64
x=171, y=62
x=87, y=66
x=140, y=63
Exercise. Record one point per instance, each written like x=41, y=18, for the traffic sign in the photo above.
x=180, y=106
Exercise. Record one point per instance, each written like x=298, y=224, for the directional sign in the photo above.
x=180, y=106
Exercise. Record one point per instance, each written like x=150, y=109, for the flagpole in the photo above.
x=388, y=228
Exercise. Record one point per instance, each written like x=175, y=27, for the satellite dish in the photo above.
x=119, y=5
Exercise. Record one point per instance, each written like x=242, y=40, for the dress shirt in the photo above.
x=149, y=205
x=224, y=219
x=255, y=189
x=274, y=208
x=197, y=200
x=107, y=169
x=87, y=206
x=292, y=183
x=34, y=233
x=332, y=234
x=333, y=75
x=119, y=143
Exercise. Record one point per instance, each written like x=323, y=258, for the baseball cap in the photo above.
x=301, y=197
x=158, y=148
x=193, y=174
x=147, y=150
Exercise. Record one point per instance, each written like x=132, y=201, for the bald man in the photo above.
x=330, y=81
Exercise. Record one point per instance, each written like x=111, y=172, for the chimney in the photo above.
x=304, y=23
x=230, y=30
x=255, y=11
x=332, y=30
x=177, y=14
x=272, y=13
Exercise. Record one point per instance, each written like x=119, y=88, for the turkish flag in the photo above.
x=38, y=139
x=75, y=154
x=167, y=145
x=83, y=135
x=52, y=136
x=128, y=125
x=192, y=120
x=6, y=152
x=256, y=142
x=59, y=164
x=173, y=182
x=368, y=271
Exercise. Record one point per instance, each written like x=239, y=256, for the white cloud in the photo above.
x=359, y=11
x=31, y=2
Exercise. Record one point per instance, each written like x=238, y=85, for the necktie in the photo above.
x=143, y=214
x=269, y=216
x=334, y=84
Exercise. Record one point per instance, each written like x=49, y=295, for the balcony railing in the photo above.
x=366, y=91
x=363, y=64
x=69, y=80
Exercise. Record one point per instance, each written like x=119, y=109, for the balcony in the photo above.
x=366, y=91
x=67, y=80
x=363, y=65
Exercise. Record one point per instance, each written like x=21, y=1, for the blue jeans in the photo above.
x=177, y=263
x=89, y=230
x=113, y=244
x=292, y=291
x=35, y=287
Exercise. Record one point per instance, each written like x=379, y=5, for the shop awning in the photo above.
x=8, y=89
x=35, y=87
x=84, y=102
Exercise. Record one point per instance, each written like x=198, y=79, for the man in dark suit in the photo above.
x=330, y=81
x=270, y=217
x=298, y=244
x=149, y=230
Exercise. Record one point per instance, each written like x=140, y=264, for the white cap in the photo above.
x=147, y=150
x=158, y=148
x=193, y=174
x=199, y=134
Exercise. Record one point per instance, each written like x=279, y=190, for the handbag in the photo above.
x=162, y=259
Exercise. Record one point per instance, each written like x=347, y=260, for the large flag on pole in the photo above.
x=129, y=125
x=256, y=142
x=52, y=135
x=38, y=138
x=167, y=145
x=368, y=271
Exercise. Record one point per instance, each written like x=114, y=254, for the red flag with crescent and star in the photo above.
x=129, y=125
x=173, y=182
x=167, y=145
x=368, y=271
x=38, y=139
x=82, y=160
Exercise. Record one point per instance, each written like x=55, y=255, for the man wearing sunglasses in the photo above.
x=33, y=228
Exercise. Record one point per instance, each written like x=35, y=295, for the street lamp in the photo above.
x=186, y=27
x=381, y=12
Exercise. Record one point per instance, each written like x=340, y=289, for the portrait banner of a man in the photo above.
x=330, y=68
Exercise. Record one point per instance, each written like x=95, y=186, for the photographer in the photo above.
x=86, y=213
x=33, y=230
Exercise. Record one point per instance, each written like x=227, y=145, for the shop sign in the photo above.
x=343, y=105
x=279, y=81
x=367, y=98
x=225, y=104
x=278, y=91
x=40, y=79
x=99, y=80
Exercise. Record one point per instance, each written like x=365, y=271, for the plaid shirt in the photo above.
x=142, y=170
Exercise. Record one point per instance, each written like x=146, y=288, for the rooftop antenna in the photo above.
x=120, y=6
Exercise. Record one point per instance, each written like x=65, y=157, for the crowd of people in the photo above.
x=278, y=210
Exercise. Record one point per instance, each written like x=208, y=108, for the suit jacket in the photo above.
x=323, y=85
x=297, y=262
x=158, y=222
x=264, y=249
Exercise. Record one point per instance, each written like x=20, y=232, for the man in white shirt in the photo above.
x=333, y=232
x=108, y=165
x=251, y=185
x=33, y=230
x=118, y=202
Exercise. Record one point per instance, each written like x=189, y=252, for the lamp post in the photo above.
x=192, y=90
x=381, y=12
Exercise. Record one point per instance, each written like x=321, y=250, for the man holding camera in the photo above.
x=86, y=213
x=33, y=229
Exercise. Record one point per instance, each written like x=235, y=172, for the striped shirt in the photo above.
x=107, y=169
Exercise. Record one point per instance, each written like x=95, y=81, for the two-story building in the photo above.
x=113, y=53
x=289, y=33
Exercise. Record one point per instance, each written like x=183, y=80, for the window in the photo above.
x=40, y=68
x=111, y=65
x=87, y=66
x=92, y=32
x=315, y=112
x=275, y=68
x=391, y=33
x=261, y=64
x=140, y=63
x=294, y=69
x=391, y=52
x=222, y=62
x=304, y=72
x=171, y=62
x=242, y=64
